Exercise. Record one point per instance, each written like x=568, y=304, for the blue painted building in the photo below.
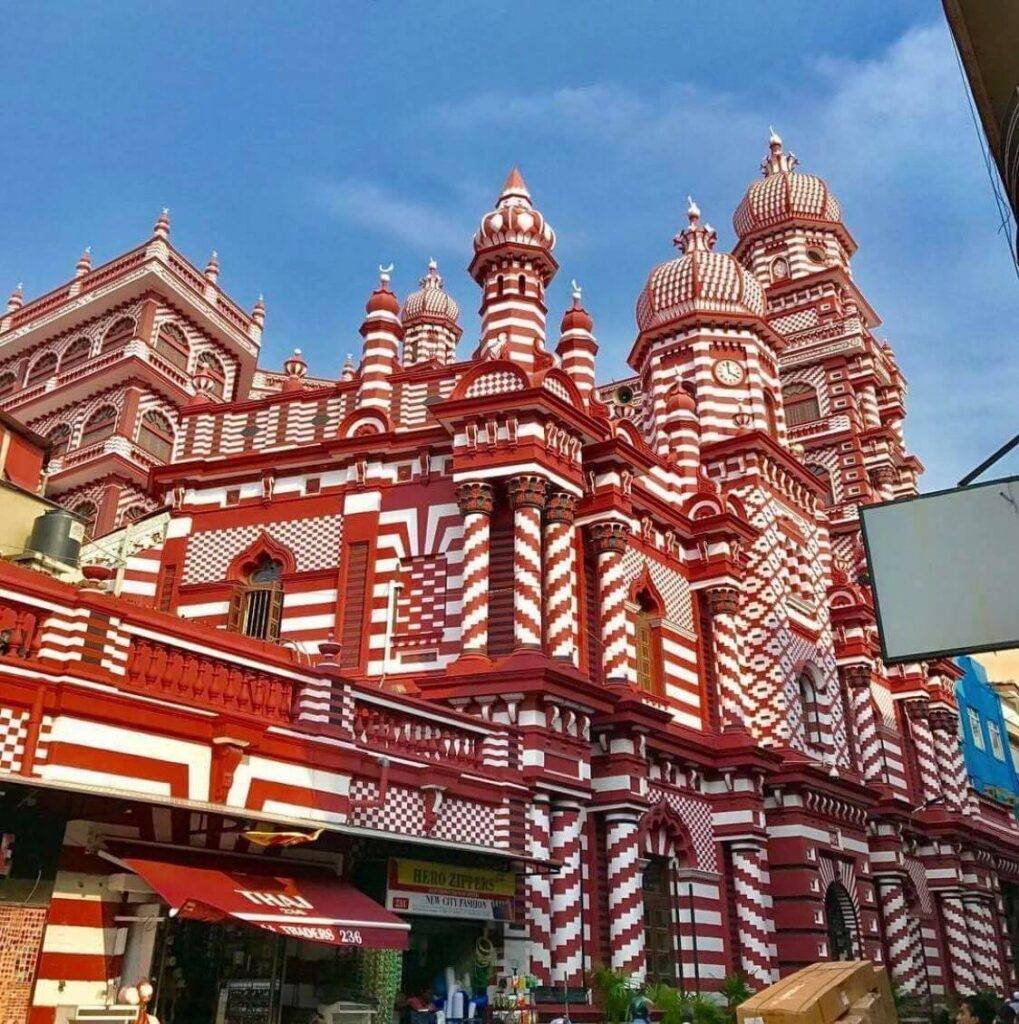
x=985, y=740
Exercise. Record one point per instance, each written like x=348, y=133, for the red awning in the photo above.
x=304, y=905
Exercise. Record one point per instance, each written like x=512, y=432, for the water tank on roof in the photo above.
x=58, y=534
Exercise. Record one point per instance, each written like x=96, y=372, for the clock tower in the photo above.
x=702, y=329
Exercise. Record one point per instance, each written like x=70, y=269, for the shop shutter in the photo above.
x=235, y=613
x=272, y=631
x=354, y=604
x=500, y=582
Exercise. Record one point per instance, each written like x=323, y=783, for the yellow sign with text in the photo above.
x=451, y=878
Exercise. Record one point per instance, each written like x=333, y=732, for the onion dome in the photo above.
x=700, y=281
x=784, y=193
x=514, y=222
x=296, y=369
x=430, y=303
x=382, y=300
x=576, y=318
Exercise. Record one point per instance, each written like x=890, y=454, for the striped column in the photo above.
x=609, y=540
x=751, y=884
x=945, y=730
x=561, y=613
x=567, y=912
x=475, y=500
x=983, y=946
x=723, y=603
x=626, y=897
x=382, y=331
x=539, y=900
x=904, y=944
x=960, y=956
x=682, y=436
x=856, y=679
x=577, y=347
x=923, y=747
x=527, y=496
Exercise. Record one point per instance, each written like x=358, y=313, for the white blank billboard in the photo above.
x=945, y=570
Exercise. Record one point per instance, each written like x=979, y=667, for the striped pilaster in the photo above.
x=527, y=496
x=756, y=925
x=539, y=899
x=561, y=612
x=723, y=603
x=903, y=940
x=475, y=500
x=960, y=956
x=983, y=943
x=610, y=542
x=856, y=679
x=567, y=916
x=945, y=731
x=625, y=896
x=923, y=742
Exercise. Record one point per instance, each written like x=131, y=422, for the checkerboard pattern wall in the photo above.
x=13, y=729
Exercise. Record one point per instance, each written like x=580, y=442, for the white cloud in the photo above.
x=428, y=226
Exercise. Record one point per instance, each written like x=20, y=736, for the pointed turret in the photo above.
x=577, y=346
x=513, y=264
x=382, y=333
x=84, y=264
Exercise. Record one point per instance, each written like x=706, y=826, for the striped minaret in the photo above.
x=382, y=332
x=539, y=899
x=681, y=440
x=475, y=500
x=902, y=937
x=527, y=496
x=723, y=604
x=625, y=895
x=856, y=679
x=609, y=540
x=752, y=902
x=577, y=347
x=960, y=955
x=923, y=742
x=561, y=578
x=513, y=264
x=567, y=917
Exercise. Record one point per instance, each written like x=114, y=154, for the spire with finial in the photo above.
x=296, y=369
x=695, y=237
x=514, y=190
x=258, y=311
x=349, y=371
x=161, y=229
x=17, y=299
x=777, y=160
x=84, y=264
x=382, y=333
x=212, y=268
x=577, y=346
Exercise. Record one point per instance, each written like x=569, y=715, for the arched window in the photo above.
x=649, y=659
x=809, y=712
x=118, y=334
x=99, y=426
x=155, y=435
x=823, y=478
x=208, y=362
x=770, y=415
x=8, y=382
x=257, y=608
x=801, y=404
x=86, y=511
x=59, y=440
x=499, y=286
x=843, y=927
x=42, y=369
x=173, y=346
x=75, y=354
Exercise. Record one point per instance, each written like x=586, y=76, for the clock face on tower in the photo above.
x=729, y=372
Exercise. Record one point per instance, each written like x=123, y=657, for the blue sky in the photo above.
x=308, y=143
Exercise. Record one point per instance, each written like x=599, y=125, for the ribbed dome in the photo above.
x=784, y=194
x=430, y=302
x=514, y=220
x=701, y=280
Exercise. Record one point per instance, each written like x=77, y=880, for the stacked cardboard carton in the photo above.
x=846, y=992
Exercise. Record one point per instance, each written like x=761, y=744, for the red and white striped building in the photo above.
x=617, y=634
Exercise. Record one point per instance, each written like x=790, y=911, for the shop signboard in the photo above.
x=449, y=890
